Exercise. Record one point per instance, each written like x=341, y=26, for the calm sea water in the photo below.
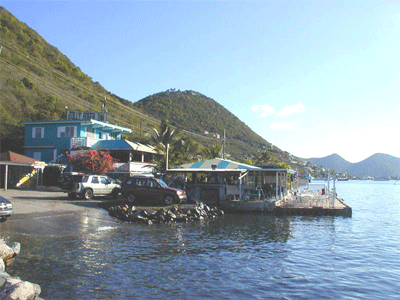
x=236, y=256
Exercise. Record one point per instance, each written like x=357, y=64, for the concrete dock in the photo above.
x=312, y=204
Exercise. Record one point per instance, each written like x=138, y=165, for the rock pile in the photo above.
x=12, y=287
x=131, y=214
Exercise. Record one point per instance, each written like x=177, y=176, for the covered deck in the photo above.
x=133, y=157
x=227, y=182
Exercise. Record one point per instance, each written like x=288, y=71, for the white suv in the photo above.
x=87, y=186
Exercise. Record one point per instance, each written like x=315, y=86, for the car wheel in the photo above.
x=87, y=194
x=168, y=199
x=131, y=198
x=71, y=196
x=3, y=219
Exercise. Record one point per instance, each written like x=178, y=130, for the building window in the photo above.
x=37, y=155
x=38, y=132
x=66, y=131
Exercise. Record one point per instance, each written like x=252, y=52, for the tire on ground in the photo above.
x=87, y=194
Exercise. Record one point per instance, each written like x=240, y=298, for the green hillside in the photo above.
x=196, y=113
x=38, y=82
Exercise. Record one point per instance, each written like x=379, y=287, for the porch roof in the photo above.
x=216, y=165
x=224, y=165
x=123, y=145
x=15, y=159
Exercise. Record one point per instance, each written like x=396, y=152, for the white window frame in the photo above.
x=34, y=133
x=63, y=130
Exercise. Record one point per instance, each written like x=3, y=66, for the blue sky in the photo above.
x=311, y=77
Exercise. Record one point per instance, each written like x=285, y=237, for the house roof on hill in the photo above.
x=86, y=123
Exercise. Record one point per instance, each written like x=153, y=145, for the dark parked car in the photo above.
x=151, y=189
x=6, y=209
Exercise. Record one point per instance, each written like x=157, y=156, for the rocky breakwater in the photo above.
x=132, y=214
x=12, y=287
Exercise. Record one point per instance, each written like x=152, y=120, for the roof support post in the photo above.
x=6, y=177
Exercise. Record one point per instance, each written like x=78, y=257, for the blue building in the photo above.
x=48, y=140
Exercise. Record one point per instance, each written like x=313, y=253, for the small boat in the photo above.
x=342, y=179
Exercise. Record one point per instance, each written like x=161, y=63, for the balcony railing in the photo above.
x=83, y=141
x=132, y=167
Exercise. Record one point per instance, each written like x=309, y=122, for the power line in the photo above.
x=49, y=70
x=66, y=95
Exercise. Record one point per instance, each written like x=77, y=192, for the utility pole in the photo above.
x=223, y=146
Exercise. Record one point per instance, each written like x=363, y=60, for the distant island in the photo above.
x=378, y=165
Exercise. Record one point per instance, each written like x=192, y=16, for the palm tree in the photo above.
x=184, y=151
x=164, y=136
x=162, y=139
x=212, y=152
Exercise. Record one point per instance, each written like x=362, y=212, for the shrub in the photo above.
x=92, y=161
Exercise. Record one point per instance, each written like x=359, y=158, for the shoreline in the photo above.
x=30, y=207
x=47, y=200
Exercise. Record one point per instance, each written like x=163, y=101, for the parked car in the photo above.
x=152, y=189
x=6, y=209
x=87, y=186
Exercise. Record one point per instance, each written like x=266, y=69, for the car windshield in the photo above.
x=161, y=182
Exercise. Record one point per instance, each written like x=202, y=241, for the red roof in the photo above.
x=15, y=157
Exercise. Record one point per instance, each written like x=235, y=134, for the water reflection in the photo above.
x=236, y=256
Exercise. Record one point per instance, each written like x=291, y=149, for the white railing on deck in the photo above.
x=133, y=167
x=83, y=142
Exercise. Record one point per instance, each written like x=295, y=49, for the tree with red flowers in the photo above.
x=91, y=162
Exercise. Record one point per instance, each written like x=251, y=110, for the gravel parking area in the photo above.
x=47, y=200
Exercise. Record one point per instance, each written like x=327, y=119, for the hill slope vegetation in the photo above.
x=38, y=82
x=196, y=113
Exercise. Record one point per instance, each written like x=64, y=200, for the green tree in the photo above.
x=184, y=150
x=266, y=158
x=212, y=152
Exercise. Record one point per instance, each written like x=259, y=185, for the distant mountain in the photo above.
x=332, y=162
x=377, y=165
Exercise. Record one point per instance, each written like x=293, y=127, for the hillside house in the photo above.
x=48, y=140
